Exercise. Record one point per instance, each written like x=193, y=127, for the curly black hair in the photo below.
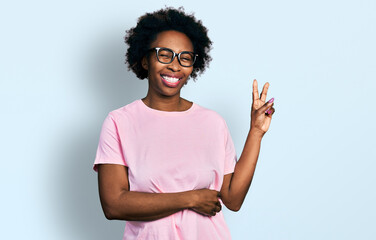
x=149, y=25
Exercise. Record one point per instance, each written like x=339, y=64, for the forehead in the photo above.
x=174, y=40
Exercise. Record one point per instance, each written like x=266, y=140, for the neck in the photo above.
x=165, y=103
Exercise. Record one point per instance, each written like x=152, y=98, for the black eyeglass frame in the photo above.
x=174, y=55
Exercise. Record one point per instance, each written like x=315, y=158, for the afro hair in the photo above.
x=149, y=25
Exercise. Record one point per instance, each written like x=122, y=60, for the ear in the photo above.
x=144, y=63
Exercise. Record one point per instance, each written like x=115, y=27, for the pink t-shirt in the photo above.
x=170, y=152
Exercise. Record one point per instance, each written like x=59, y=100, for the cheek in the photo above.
x=189, y=71
x=156, y=67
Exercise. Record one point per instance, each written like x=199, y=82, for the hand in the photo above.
x=261, y=113
x=206, y=202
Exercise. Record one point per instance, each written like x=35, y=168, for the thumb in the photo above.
x=266, y=105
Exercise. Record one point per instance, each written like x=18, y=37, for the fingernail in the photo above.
x=271, y=100
x=270, y=111
x=267, y=111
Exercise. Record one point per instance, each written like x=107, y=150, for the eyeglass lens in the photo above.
x=166, y=55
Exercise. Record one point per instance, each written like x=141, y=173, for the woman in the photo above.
x=166, y=165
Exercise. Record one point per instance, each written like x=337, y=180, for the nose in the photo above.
x=174, y=65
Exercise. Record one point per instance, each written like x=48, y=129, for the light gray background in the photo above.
x=62, y=71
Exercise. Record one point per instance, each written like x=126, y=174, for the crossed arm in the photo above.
x=120, y=203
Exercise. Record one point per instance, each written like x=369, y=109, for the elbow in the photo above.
x=234, y=208
x=109, y=213
x=115, y=215
x=111, y=209
x=109, y=216
x=115, y=212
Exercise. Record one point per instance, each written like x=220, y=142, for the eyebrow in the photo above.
x=192, y=51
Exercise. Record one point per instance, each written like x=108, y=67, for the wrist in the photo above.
x=188, y=199
x=256, y=133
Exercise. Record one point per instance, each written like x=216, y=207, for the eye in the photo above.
x=165, y=54
x=186, y=57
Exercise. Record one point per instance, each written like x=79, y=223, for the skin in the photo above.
x=160, y=96
x=120, y=203
x=235, y=186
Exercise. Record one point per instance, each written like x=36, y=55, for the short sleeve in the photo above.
x=109, y=149
x=230, y=153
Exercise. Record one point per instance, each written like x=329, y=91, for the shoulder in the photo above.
x=210, y=115
x=126, y=111
x=123, y=116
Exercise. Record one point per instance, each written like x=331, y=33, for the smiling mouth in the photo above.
x=170, y=81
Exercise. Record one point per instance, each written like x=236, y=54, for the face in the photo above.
x=168, y=79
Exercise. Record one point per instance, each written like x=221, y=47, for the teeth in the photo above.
x=170, y=79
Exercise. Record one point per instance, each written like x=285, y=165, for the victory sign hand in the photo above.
x=261, y=113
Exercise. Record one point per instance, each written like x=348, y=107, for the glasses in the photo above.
x=166, y=56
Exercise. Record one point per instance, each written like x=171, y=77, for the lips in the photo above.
x=170, y=81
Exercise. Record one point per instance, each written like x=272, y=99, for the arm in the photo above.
x=120, y=203
x=235, y=186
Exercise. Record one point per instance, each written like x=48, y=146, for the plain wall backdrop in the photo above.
x=62, y=70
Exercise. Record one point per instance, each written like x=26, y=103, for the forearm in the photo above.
x=244, y=171
x=139, y=206
x=235, y=186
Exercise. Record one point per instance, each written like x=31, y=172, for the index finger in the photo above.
x=264, y=92
x=255, y=95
